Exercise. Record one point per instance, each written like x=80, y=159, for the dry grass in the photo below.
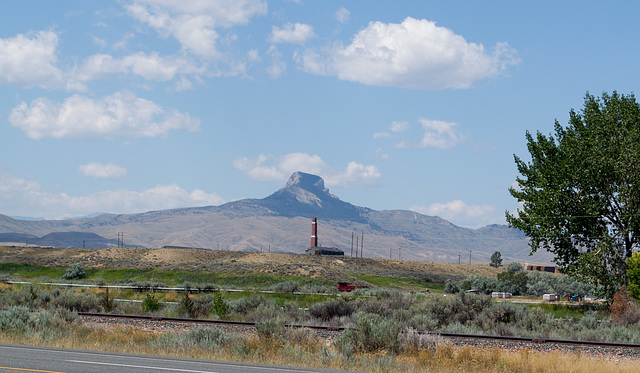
x=330, y=268
x=314, y=353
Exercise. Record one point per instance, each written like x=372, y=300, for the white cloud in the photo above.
x=436, y=134
x=342, y=15
x=193, y=23
x=30, y=61
x=20, y=197
x=459, y=213
x=102, y=171
x=119, y=115
x=297, y=33
x=278, y=66
x=413, y=54
x=379, y=135
x=439, y=134
x=148, y=66
x=399, y=126
x=270, y=168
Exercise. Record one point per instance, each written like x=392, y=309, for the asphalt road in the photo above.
x=14, y=358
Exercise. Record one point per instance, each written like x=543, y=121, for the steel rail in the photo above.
x=536, y=340
x=202, y=321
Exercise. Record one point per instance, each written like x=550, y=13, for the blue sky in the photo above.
x=138, y=105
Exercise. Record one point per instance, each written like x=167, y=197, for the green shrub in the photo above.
x=150, y=303
x=220, y=307
x=285, y=287
x=74, y=272
x=204, y=337
x=332, y=308
x=372, y=333
x=270, y=328
x=77, y=302
x=107, y=302
x=244, y=306
x=187, y=306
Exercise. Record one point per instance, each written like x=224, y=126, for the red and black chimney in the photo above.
x=314, y=232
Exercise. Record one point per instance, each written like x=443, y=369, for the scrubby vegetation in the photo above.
x=517, y=281
x=366, y=309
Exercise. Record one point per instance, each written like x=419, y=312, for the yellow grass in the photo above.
x=313, y=353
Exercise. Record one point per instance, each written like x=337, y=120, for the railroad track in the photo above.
x=530, y=340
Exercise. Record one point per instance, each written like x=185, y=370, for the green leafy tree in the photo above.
x=496, y=259
x=580, y=192
x=633, y=272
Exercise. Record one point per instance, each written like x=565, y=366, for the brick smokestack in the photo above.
x=314, y=232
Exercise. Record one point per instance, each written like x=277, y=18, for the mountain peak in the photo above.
x=308, y=182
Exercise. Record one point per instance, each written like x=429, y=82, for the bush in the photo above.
x=624, y=310
x=414, y=340
x=28, y=296
x=244, y=306
x=327, y=310
x=371, y=334
x=285, y=287
x=187, y=305
x=220, y=307
x=77, y=302
x=74, y=272
x=270, y=329
x=150, y=303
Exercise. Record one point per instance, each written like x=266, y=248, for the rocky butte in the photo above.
x=281, y=222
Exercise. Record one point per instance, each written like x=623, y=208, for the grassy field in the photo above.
x=393, y=293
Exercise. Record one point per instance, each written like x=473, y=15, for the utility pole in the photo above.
x=352, y=244
x=362, y=243
x=356, y=246
x=469, y=256
x=120, y=239
x=458, y=259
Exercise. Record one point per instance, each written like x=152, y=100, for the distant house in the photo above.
x=550, y=269
x=318, y=250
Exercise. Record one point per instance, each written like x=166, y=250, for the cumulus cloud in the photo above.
x=270, y=168
x=193, y=23
x=439, y=134
x=396, y=126
x=462, y=214
x=119, y=115
x=436, y=134
x=297, y=33
x=413, y=54
x=102, y=171
x=30, y=61
x=20, y=197
x=148, y=66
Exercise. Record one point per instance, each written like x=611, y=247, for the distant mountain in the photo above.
x=281, y=222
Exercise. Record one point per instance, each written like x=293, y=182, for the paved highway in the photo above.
x=14, y=358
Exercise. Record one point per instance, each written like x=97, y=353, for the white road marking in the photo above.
x=139, y=366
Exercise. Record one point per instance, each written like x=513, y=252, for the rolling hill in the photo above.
x=281, y=222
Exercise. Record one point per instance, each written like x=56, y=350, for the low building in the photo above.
x=319, y=250
x=539, y=268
